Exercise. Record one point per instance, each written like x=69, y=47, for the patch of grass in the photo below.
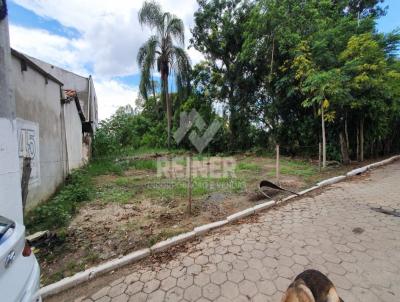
x=51, y=278
x=181, y=161
x=91, y=257
x=59, y=210
x=200, y=187
x=72, y=266
x=127, y=182
x=167, y=191
x=110, y=193
x=68, y=270
x=144, y=164
x=296, y=167
x=246, y=166
x=128, y=151
x=101, y=167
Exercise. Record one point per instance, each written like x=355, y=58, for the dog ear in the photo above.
x=285, y=297
x=333, y=296
x=299, y=292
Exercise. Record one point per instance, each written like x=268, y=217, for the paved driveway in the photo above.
x=336, y=232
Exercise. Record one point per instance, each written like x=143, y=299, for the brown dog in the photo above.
x=311, y=286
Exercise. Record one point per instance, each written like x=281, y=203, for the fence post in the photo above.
x=189, y=209
x=277, y=168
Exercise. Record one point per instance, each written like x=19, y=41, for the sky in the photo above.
x=101, y=38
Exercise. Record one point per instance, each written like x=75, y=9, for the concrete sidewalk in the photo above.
x=337, y=232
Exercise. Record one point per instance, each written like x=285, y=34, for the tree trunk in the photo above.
x=362, y=139
x=346, y=132
x=358, y=143
x=387, y=146
x=323, y=136
x=272, y=58
x=344, y=143
x=344, y=149
x=154, y=90
x=371, y=151
x=168, y=107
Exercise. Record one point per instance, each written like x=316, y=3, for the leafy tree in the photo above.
x=297, y=46
x=161, y=53
x=219, y=35
x=366, y=66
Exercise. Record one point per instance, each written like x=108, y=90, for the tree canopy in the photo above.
x=291, y=72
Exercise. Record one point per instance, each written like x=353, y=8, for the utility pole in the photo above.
x=10, y=181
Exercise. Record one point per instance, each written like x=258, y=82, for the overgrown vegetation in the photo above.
x=287, y=72
x=58, y=211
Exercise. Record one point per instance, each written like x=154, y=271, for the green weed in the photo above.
x=297, y=168
x=111, y=193
x=101, y=167
x=144, y=164
x=245, y=166
x=59, y=210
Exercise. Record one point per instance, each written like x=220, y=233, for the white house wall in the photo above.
x=10, y=197
x=82, y=85
x=38, y=103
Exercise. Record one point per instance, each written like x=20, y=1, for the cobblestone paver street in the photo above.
x=336, y=232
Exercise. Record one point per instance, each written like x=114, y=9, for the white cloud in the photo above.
x=109, y=41
x=54, y=49
x=113, y=95
x=63, y=52
x=111, y=33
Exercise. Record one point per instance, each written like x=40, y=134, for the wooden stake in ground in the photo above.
x=277, y=168
x=319, y=156
x=190, y=186
x=323, y=136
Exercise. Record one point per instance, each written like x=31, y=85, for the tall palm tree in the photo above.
x=163, y=52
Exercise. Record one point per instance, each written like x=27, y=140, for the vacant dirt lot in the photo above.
x=137, y=208
x=336, y=230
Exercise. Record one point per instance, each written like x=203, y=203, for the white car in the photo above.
x=19, y=269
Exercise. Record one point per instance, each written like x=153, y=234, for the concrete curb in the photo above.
x=240, y=215
x=308, y=190
x=203, y=229
x=286, y=199
x=331, y=181
x=357, y=171
x=163, y=245
x=89, y=274
x=264, y=206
